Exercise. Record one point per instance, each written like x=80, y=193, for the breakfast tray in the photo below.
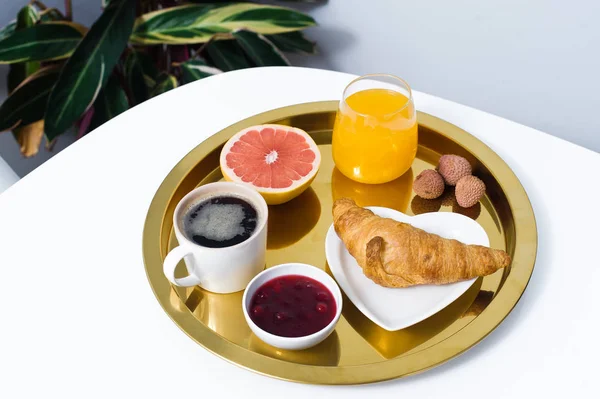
x=358, y=351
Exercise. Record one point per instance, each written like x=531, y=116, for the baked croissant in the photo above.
x=395, y=254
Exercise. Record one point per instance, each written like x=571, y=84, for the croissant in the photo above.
x=395, y=254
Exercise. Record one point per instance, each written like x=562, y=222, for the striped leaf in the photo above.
x=261, y=51
x=195, y=23
x=8, y=29
x=47, y=15
x=293, y=42
x=88, y=69
x=164, y=83
x=27, y=103
x=26, y=18
x=196, y=69
x=43, y=42
x=227, y=55
x=28, y=136
x=110, y=102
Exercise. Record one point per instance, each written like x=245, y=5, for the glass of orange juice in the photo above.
x=375, y=132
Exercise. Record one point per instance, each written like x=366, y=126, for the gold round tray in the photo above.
x=358, y=351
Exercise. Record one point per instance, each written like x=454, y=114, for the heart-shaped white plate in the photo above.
x=397, y=308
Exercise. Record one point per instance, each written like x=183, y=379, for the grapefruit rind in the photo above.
x=273, y=195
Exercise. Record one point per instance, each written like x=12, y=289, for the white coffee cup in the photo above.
x=221, y=270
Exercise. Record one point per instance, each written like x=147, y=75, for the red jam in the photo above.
x=292, y=306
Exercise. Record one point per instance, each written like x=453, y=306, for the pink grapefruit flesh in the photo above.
x=279, y=161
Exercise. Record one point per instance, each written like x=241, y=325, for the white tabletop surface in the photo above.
x=78, y=318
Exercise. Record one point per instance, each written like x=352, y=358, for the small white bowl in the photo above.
x=286, y=269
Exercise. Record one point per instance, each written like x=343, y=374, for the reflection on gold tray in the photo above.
x=358, y=351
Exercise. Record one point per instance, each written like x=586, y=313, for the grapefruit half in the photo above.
x=278, y=161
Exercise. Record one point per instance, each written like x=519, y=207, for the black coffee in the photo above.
x=220, y=221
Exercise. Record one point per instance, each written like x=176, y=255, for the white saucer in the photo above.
x=397, y=308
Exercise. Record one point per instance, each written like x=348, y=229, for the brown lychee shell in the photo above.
x=469, y=190
x=429, y=184
x=453, y=168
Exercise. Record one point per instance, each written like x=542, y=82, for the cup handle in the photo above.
x=170, y=263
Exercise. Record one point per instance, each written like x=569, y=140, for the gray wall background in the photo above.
x=535, y=62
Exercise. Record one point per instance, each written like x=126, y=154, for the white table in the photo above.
x=78, y=317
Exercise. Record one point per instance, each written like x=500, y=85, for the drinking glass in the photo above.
x=375, y=133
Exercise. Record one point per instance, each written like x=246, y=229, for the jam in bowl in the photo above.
x=292, y=306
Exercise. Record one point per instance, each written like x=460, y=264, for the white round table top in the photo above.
x=79, y=318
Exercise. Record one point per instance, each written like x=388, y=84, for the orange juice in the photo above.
x=375, y=135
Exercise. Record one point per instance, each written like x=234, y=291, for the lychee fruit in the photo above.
x=469, y=190
x=429, y=184
x=453, y=168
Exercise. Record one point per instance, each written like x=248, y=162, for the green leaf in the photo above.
x=261, y=51
x=227, y=55
x=51, y=15
x=194, y=23
x=18, y=72
x=26, y=18
x=88, y=69
x=8, y=29
x=28, y=102
x=28, y=135
x=110, y=102
x=196, y=69
x=293, y=42
x=43, y=42
x=134, y=77
x=165, y=82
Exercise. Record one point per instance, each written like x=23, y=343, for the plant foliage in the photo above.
x=63, y=75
